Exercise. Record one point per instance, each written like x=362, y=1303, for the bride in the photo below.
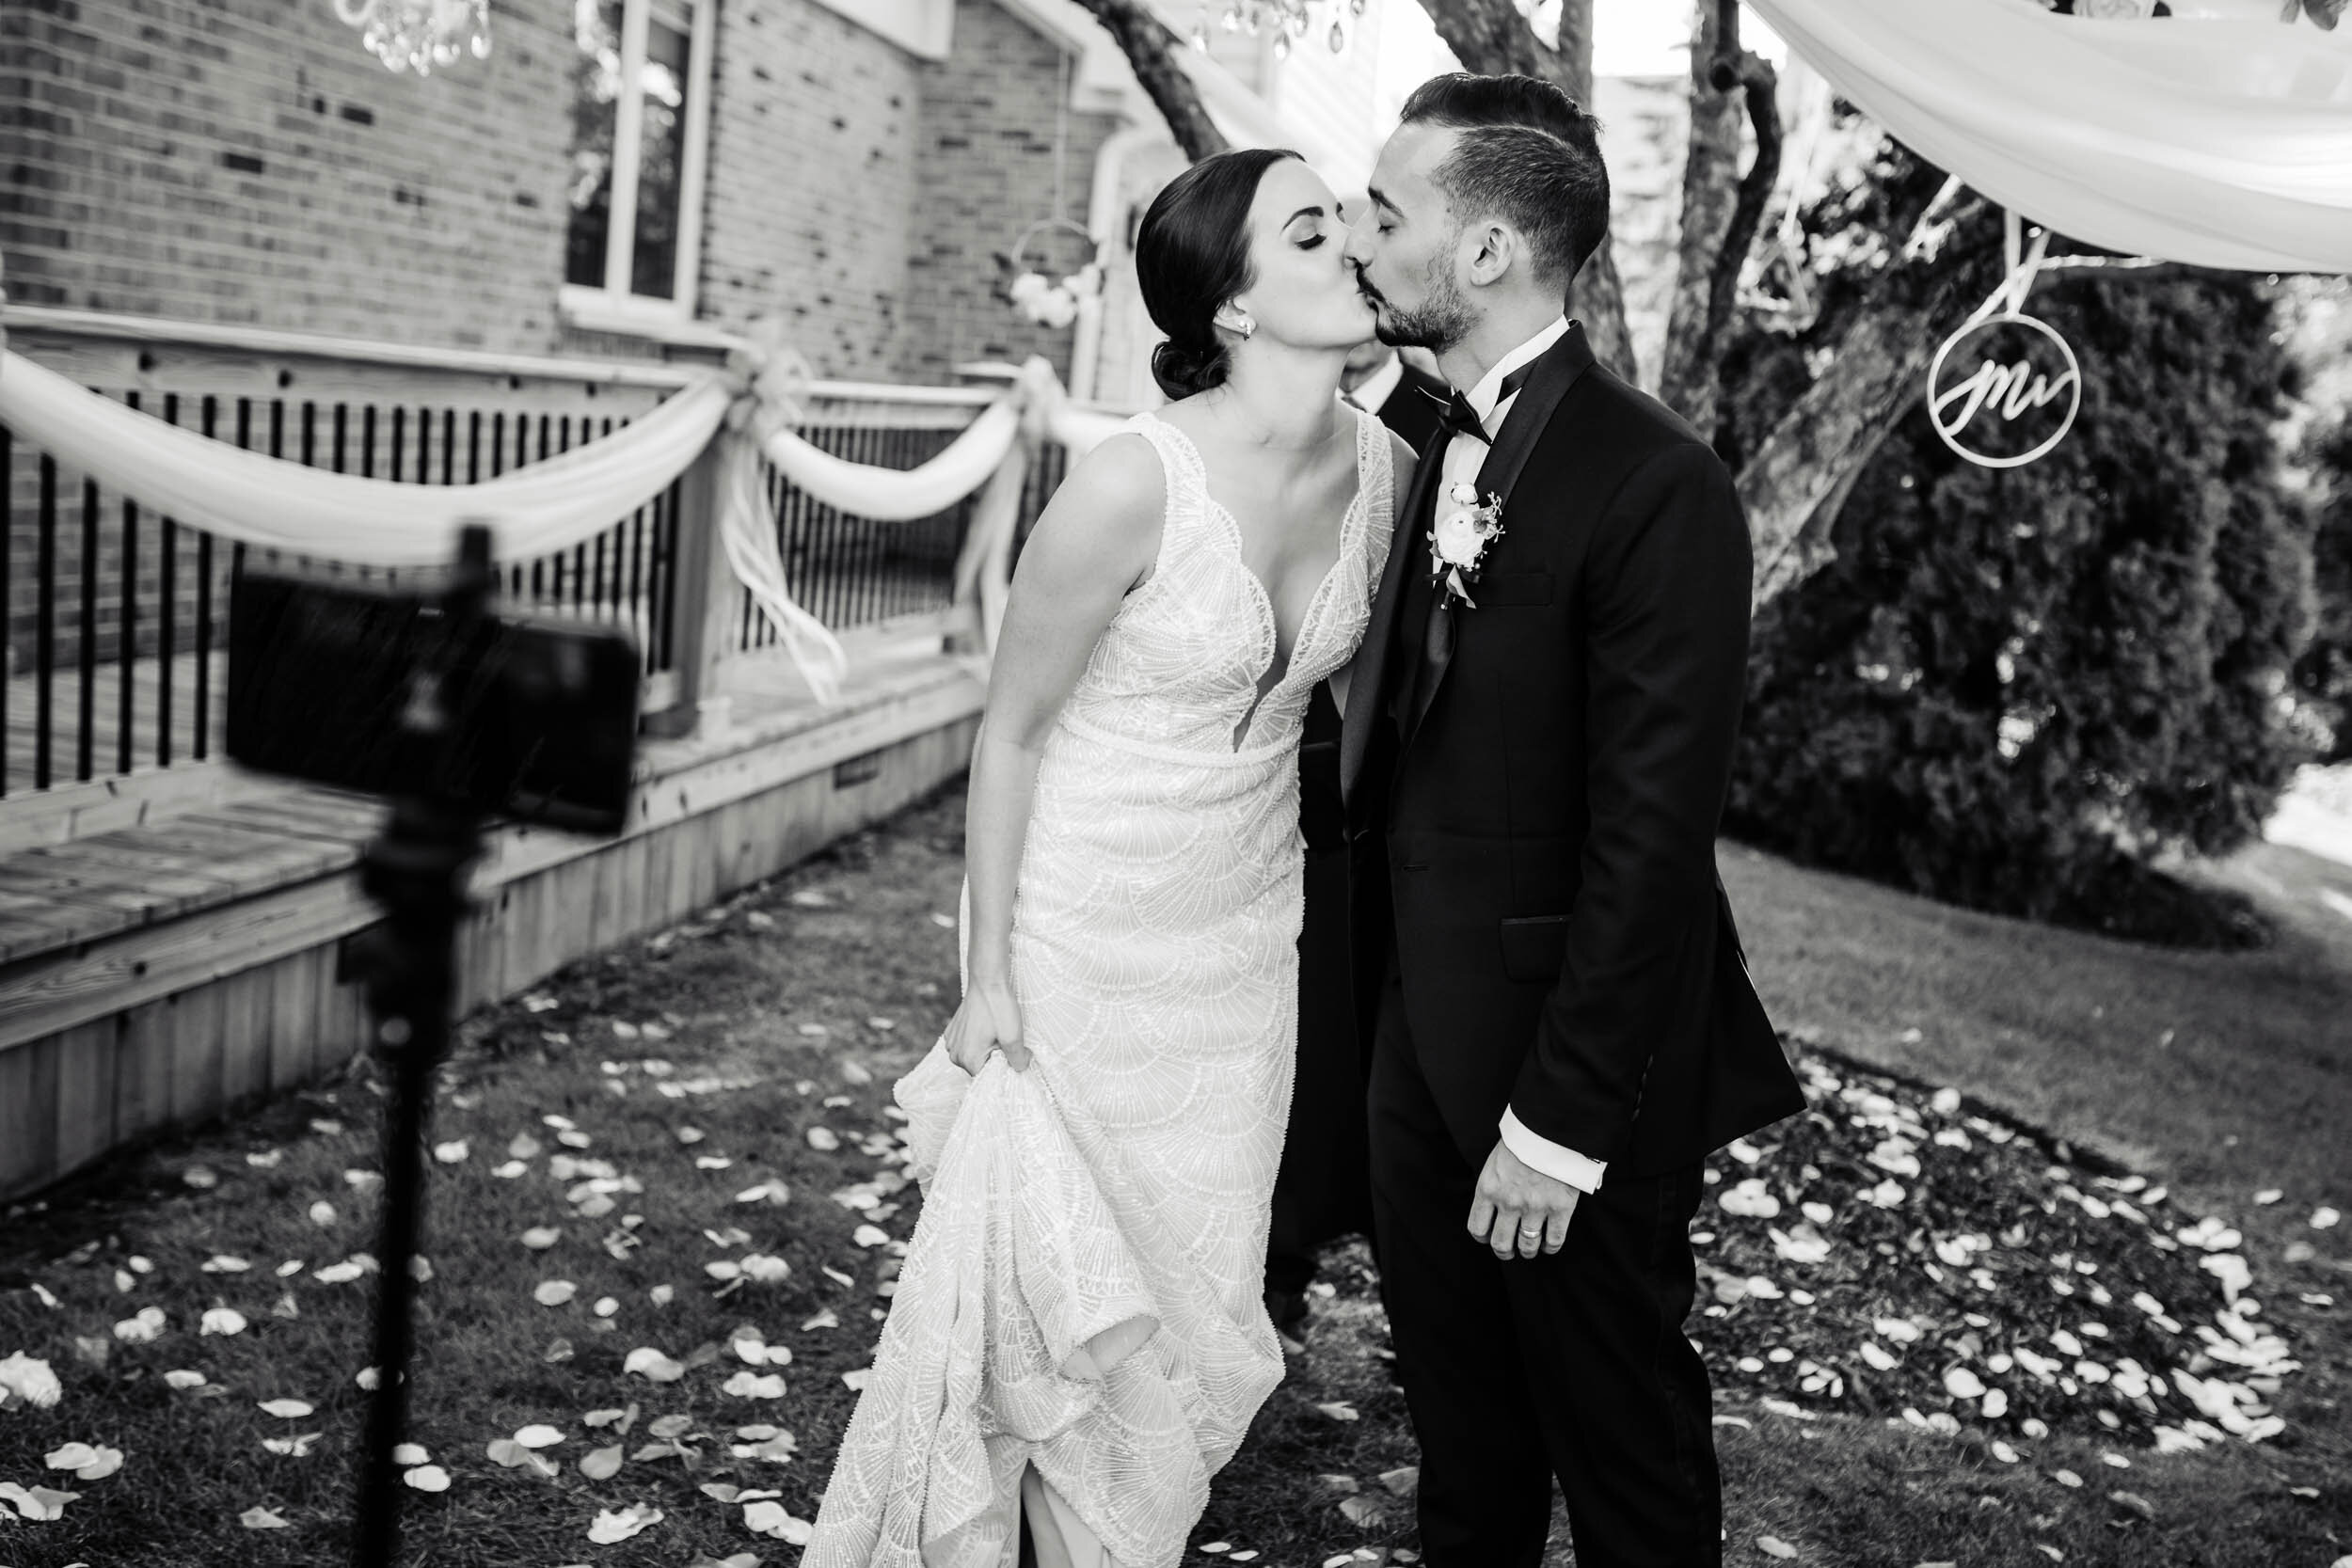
x=1078, y=1340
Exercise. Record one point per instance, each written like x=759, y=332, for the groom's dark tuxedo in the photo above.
x=1532, y=789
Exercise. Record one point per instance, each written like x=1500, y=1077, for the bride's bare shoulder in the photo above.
x=1119, y=481
x=1106, y=516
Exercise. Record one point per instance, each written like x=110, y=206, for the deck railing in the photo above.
x=114, y=617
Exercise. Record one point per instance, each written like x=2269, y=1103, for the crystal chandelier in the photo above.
x=418, y=35
x=1287, y=20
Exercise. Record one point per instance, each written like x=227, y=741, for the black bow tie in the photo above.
x=1457, y=416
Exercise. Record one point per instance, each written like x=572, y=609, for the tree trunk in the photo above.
x=1493, y=39
x=1820, y=444
x=1722, y=210
x=1151, y=51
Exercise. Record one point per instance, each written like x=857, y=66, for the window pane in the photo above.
x=596, y=100
x=660, y=165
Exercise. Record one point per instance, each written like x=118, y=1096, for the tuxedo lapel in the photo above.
x=1367, y=702
x=1531, y=415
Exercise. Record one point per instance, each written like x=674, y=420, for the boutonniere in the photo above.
x=1457, y=545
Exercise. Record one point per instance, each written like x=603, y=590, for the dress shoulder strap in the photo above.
x=1187, y=477
x=1376, y=468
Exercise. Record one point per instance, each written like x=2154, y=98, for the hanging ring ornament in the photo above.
x=1046, y=300
x=2005, y=390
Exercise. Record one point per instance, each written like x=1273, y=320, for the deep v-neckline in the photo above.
x=1269, y=624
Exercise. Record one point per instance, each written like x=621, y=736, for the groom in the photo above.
x=1535, y=761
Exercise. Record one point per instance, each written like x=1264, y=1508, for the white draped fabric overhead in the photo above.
x=2199, y=138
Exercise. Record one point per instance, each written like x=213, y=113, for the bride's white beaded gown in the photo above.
x=1082, y=1293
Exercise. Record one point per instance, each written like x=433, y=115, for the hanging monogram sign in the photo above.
x=2004, y=390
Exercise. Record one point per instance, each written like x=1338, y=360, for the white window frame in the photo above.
x=612, y=308
x=921, y=28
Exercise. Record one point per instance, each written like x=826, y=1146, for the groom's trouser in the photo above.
x=1572, y=1366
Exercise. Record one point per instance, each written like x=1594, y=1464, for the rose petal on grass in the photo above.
x=555, y=1292
x=617, y=1525
x=652, y=1365
x=222, y=1319
x=602, y=1464
x=1340, y=1410
x=285, y=1410
x=751, y=1385
x=539, y=1436
x=261, y=1519
x=427, y=1477
x=1772, y=1545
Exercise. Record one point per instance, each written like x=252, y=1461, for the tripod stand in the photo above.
x=415, y=869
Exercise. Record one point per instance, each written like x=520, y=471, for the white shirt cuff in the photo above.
x=1539, y=1153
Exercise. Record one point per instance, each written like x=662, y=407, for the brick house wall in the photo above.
x=246, y=161
x=813, y=185
x=986, y=173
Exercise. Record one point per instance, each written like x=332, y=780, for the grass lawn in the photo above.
x=736, y=1038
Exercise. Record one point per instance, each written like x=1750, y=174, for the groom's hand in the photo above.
x=1518, y=1210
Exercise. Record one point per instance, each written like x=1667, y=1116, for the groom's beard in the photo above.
x=1441, y=321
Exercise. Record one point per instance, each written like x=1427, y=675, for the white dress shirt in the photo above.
x=1464, y=457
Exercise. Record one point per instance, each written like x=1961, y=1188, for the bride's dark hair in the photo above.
x=1192, y=255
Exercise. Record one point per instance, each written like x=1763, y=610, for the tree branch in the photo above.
x=1755, y=76
x=1151, y=51
x=1714, y=248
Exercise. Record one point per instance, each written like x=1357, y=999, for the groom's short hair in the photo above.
x=1529, y=154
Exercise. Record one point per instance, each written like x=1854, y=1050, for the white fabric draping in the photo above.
x=899, y=496
x=275, y=504
x=2220, y=143
x=278, y=504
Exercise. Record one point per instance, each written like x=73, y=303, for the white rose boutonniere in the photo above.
x=1465, y=527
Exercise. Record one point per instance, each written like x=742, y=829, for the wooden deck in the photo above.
x=155, y=975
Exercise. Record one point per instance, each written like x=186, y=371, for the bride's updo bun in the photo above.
x=1192, y=255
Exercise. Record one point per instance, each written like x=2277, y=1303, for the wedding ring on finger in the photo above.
x=1530, y=1238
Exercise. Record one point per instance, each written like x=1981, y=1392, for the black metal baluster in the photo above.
x=45, y=624
x=661, y=578
x=167, y=611
x=86, y=653
x=127, y=633
x=203, y=726
x=8, y=599
x=640, y=622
